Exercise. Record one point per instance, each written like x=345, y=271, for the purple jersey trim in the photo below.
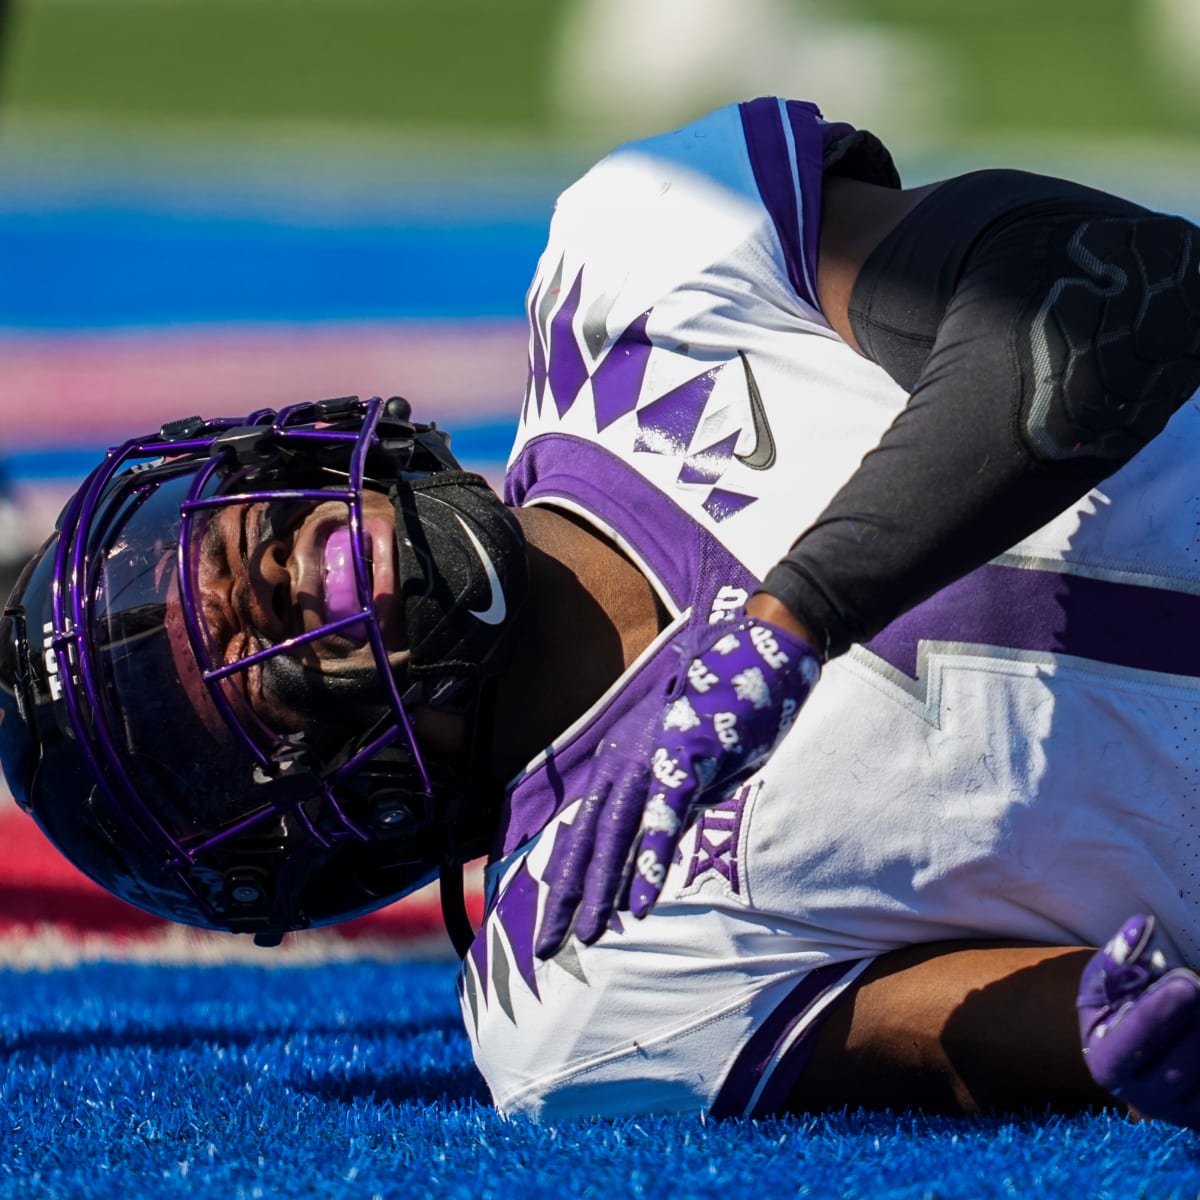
x=1124, y=624
x=691, y=565
x=786, y=141
x=772, y=1054
x=668, y=541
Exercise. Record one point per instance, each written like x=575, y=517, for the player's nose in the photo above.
x=271, y=587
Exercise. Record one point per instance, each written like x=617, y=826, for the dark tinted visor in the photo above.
x=156, y=705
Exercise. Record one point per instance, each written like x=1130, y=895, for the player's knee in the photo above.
x=1111, y=348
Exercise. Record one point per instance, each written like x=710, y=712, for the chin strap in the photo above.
x=454, y=908
x=480, y=714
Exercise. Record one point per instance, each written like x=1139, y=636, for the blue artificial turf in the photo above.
x=354, y=1080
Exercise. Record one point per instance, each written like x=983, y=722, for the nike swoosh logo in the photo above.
x=496, y=610
x=763, y=454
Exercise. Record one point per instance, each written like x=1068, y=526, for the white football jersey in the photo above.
x=1018, y=757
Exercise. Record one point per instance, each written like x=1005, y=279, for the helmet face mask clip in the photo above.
x=223, y=736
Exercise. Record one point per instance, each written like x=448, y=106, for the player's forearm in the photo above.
x=957, y=1028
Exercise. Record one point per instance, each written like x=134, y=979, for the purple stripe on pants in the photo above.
x=769, y=1054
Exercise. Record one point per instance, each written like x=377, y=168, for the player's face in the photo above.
x=274, y=570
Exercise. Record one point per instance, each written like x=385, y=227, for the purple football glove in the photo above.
x=720, y=721
x=1139, y=1017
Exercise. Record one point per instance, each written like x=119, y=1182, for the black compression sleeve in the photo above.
x=1046, y=332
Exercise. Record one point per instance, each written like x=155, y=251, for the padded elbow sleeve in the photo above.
x=1109, y=352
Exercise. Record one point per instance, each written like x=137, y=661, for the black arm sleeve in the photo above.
x=1046, y=332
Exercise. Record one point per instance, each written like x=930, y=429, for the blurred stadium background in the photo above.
x=210, y=205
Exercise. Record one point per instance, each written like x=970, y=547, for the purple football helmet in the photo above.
x=226, y=738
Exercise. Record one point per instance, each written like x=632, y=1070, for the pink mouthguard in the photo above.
x=341, y=590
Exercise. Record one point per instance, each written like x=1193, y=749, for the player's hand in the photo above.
x=718, y=722
x=1139, y=1017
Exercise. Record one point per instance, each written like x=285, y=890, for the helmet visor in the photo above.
x=208, y=681
x=165, y=722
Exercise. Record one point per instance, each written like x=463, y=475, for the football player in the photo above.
x=274, y=671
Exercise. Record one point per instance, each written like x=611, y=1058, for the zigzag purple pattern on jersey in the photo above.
x=709, y=464
x=567, y=372
x=517, y=914
x=668, y=424
x=617, y=382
